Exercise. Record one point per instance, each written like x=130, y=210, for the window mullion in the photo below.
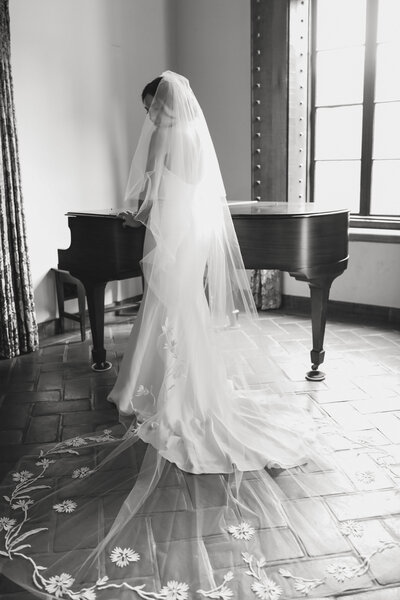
x=311, y=149
x=368, y=106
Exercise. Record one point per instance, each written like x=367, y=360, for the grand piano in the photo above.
x=308, y=242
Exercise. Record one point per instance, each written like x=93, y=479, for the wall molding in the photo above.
x=352, y=312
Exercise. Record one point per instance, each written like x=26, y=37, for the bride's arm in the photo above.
x=153, y=173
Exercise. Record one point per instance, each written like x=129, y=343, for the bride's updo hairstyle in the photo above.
x=151, y=88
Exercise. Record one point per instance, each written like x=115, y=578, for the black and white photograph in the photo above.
x=200, y=300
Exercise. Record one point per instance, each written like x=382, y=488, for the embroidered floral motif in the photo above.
x=351, y=528
x=59, y=584
x=76, y=442
x=385, y=460
x=267, y=589
x=366, y=476
x=142, y=391
x=67, y=506
x=176, y=366
x=22, y=476
x=264, y=588
x=170, y=342
x=44, y=462
x=87, y=595
x=341, y=572
x=68, y=446
x=243, y=531
x=301, y=584
x=81, y=473
x=123, y=556
x=174, y=590
x=6, y=523
x=222, y=592
x=22, y=504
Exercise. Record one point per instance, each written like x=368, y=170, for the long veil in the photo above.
x=209, y=487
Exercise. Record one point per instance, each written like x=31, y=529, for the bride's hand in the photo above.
x=129, y=219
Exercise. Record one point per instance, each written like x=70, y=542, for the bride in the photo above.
x=192, y=495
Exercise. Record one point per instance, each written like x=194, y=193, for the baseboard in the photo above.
x=347, y=311
x=341, y=311
x=125, y=307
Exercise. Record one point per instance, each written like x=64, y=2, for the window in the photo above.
x=355, y=108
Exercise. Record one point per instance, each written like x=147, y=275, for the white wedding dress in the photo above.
x=192, y=497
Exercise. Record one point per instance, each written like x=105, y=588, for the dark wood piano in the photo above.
x=308, y=242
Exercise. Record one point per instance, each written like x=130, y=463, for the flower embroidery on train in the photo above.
x=351, y=528
x=22, y=476
x=267, y=589
x=59, y=584
x=264, y=588
x=76, y=442
x=142, y=391
x=301, y=584
x=22, y=504
x=221, y=592
x=6, y=523
x=44, y=462
x=66, y=506
x=81, y=473
x=123, y=556
x=170, y=343
x=243, y=531
x=341, y=572
x=174, y=590
x=365, y=476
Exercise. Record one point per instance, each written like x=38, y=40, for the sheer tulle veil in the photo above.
x=202, y=490
x=176, y=175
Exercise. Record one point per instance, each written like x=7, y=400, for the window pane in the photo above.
x=388, y=20
x=387, y=130
x=339, y=76
x=337, y=183
x=385, y=191
x=387, y=84
x=338, y=133
x=340, y=23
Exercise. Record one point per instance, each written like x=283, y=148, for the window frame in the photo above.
x=364, y=219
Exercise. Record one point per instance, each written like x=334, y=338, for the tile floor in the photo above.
x=53, y=395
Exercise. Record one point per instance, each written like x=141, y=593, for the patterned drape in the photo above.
x=266, y=287
x=18, y=328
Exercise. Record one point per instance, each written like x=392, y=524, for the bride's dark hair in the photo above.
x=151, y=88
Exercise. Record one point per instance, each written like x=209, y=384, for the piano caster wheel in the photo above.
x=315, y=375
x=103, y=366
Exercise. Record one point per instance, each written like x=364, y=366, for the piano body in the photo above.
x=308, y=242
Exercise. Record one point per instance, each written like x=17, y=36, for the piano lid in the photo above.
x=251, y=208
x=111, y=213
x=282, y=209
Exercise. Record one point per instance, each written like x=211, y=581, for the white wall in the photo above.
x=213, y=43
x=78, y=67
x=372, y=276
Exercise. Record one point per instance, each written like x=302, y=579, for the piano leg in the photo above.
x=95, y=299
x=319, y=291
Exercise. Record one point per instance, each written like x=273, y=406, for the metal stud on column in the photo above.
x=297, y=100
x=269, y=99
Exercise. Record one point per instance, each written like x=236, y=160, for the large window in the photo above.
x=355, y=108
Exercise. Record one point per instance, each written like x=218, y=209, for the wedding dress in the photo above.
x=204, y=490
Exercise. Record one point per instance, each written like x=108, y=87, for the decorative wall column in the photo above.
x=298, y=86
x=279, y=37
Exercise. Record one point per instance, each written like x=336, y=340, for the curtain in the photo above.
x=18, y=327
x=266, y=287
